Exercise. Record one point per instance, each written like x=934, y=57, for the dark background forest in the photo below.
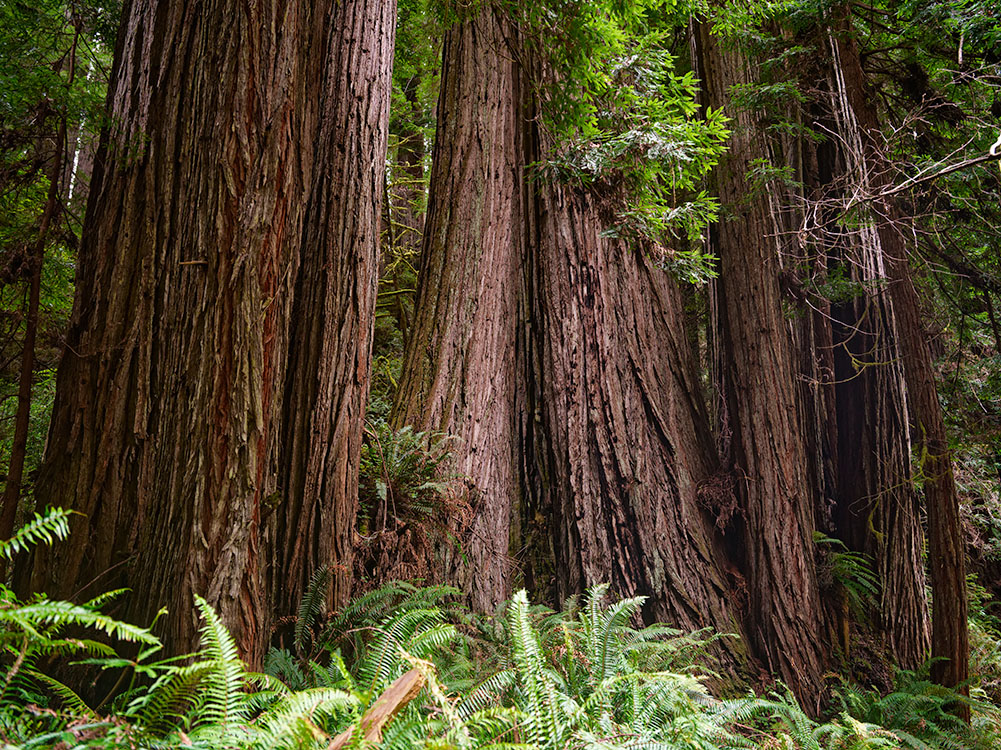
x=333, y=333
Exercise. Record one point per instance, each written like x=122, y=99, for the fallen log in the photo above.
x=403, y=690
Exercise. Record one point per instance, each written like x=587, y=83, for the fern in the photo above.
x=300, y=717
x=45, y=527
x=852, y=571
x=224, y=700
x=311, y=607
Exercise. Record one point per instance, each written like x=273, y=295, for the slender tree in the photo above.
x=946, y=554
x=331, y=323
x=878, y=509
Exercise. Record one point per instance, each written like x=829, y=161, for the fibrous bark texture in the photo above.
x=785, y=616
x=879, y=510
x=162, y=434
x=947, y=562
x=331, y=323
x=459, y=371
x=624, y=441
x=558, y=357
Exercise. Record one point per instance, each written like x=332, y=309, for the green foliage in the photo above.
x=412, y=503
x=404, y=475
x=623, y=120
x=53, y=59
x=850, y=570
x=33, y=631
x=38, y=627
x=535, y=679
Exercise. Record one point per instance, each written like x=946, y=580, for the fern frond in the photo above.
x=47, y=527
x=43, y=612
x=70, y=699
x=312, y=605
x=296, y=716
x=486, y=693
x=224, y=699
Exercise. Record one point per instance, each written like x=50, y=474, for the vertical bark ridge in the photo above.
x=628, y=436
x=460, y=370
x=331, y=321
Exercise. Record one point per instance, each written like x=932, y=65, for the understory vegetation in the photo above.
x=586, y=677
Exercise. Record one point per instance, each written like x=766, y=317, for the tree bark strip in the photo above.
x=626, y=437
x=331, y=321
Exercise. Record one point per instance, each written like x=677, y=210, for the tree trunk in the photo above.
x=878, y=507
x=162, y=434
x=331, y=330
x=785, y=618
x=559, y=358
x=945, y=542
x=22, y=418
x=460, y=372
x=616, y=436
x=624, y=445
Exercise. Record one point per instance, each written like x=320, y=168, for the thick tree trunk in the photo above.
x=616, y=441
x=785, y=618
x=333, y=313
x=559, y=358
x=459, y=372
x=624, y=443
x=162, y=433
x=945, y=543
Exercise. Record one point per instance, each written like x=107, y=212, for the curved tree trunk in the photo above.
x=460, y=372
x=785, y=620
x=334, y=308
x=161, y=433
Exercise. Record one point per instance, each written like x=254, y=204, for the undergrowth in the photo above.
x=584, y=678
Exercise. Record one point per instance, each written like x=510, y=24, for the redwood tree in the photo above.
x=557, y=355
x=946, y=553
x=460, y=368
x=878, y=509
x=623, y=444
x=163, y=430
x=333, y=312
x=785, y=621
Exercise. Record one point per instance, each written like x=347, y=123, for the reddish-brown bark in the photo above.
x=622, y=441
x=460, y=372
x=946, y=556
x=785, y=621
x=331, y=321
x=162, y=431
x=558, y=356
